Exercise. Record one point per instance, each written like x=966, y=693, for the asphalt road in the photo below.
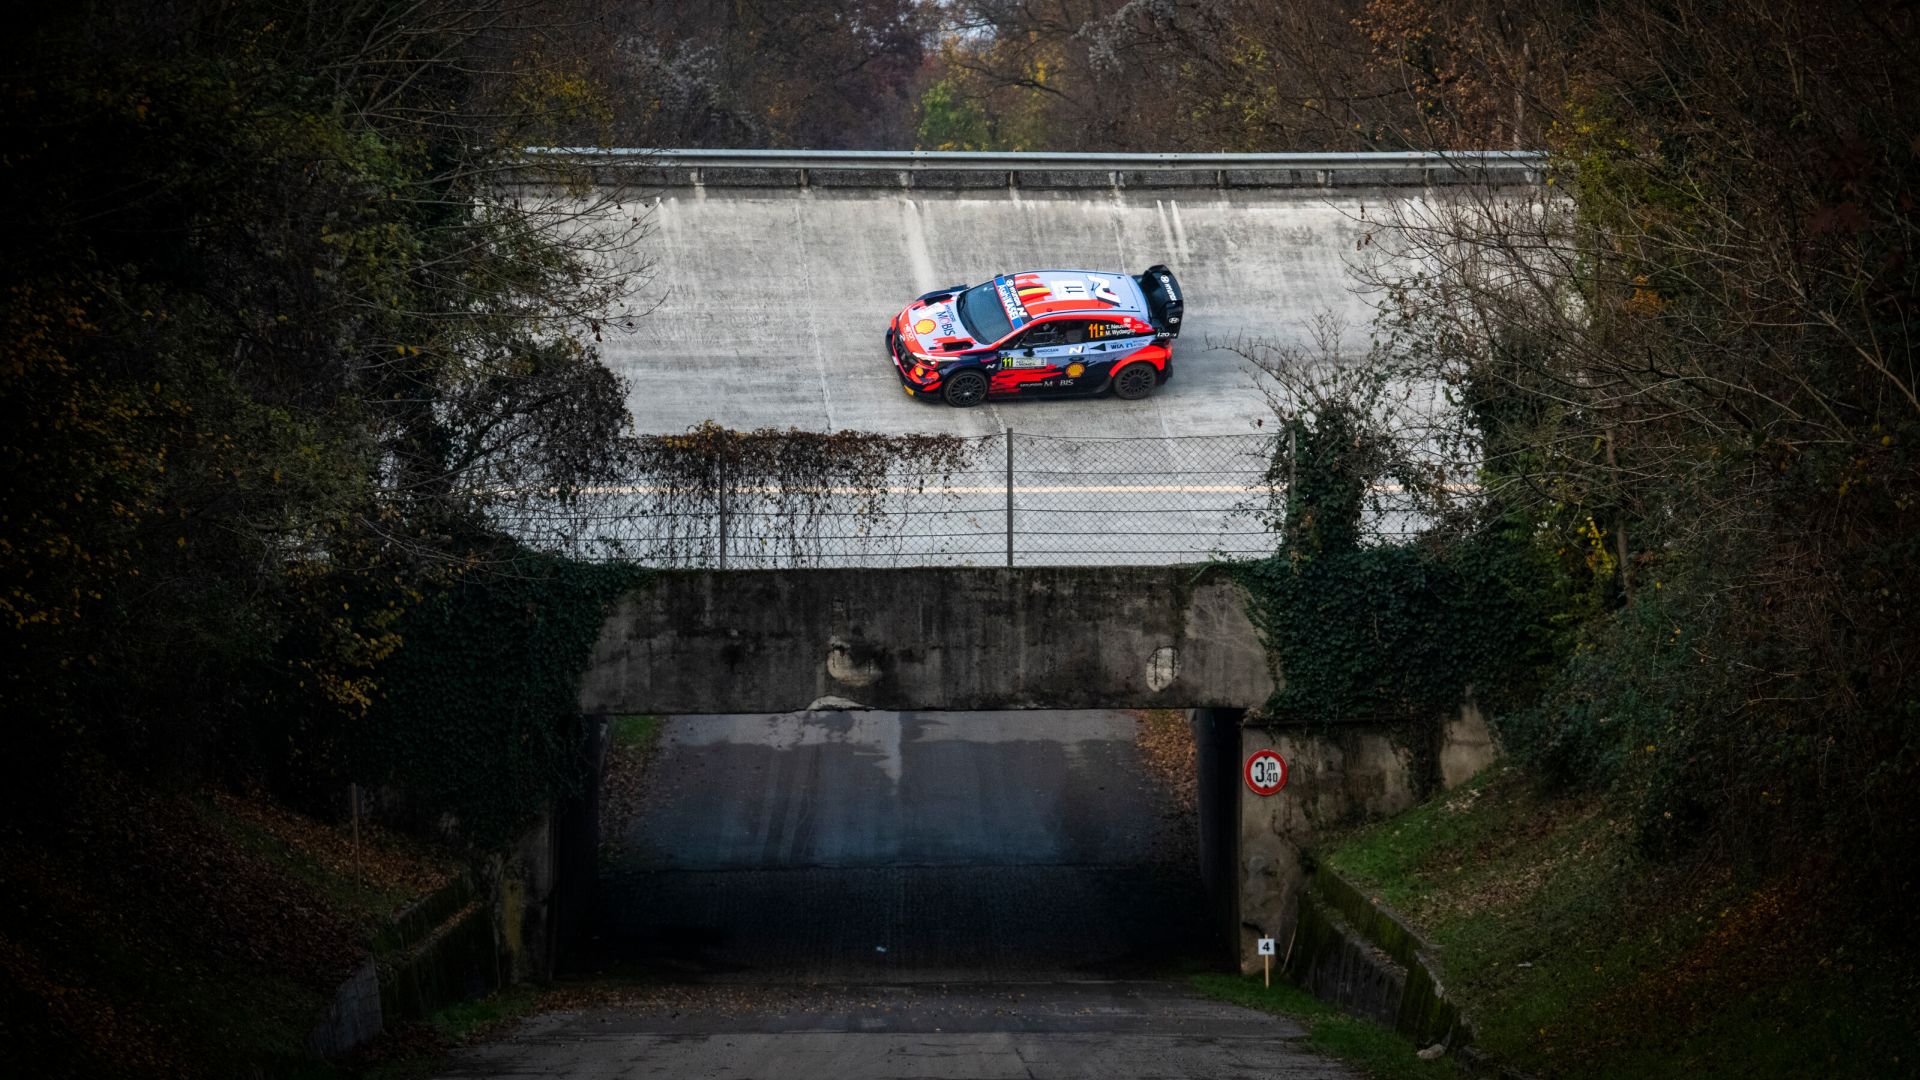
x=767, y=307
x=1100, y=1031
x=872, y=896
x=822, y=847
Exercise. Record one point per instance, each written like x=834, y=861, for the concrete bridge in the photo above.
x=760, y=297
x=769, y=641
x=959, y=639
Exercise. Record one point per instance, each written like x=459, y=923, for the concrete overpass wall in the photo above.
x=770, y=641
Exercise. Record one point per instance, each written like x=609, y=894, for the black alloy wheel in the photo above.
x=1135, y=381
x=966, y=389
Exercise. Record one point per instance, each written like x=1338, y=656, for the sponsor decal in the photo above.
x=1166, y=282
x=1076, y=369
x=924, y=326
x=1103, y=290
x=1023, y=361
x=1010, y=300
x=1076, y=350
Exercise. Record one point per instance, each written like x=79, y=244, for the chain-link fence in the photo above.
x=1012, y=499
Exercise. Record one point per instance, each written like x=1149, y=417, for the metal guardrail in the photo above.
x=977, y=169
x=995, y=161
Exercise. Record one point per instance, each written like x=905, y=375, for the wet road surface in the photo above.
x=877, y=846
x=871, y=896
x=1108, y=1030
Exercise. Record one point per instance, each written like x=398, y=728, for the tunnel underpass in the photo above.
x=922, y=846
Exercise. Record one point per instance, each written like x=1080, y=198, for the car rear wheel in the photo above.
x=1134, y=382
x=966, y=389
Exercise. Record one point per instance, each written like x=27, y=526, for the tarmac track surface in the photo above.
x=767, y=307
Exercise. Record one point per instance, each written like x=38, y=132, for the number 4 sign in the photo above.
x=1266, y=960
x=1266, y=772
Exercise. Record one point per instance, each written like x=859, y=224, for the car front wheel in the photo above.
x=966, y=389
x=1134, y=382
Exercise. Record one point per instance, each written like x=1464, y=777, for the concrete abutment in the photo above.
x=1339, y=776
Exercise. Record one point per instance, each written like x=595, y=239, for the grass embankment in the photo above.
x=422, y=1049
x=163, y=932
x=1378, y=1051
x=1576, y=956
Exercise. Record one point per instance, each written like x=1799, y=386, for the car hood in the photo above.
x=933, y=327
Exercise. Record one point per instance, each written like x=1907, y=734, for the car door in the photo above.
x=1027, y=362
x=1062, y=356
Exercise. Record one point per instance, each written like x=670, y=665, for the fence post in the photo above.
x=1009, y=496
x=720, y=496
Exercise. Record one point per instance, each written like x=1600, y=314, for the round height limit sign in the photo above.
x=1266, y=772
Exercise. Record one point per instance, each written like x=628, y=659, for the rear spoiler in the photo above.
x=1165, y=302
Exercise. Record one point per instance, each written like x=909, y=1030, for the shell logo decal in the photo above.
x=1075, y=370
x=924, y=326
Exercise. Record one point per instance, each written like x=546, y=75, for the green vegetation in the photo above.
x=636, y=733
x=1378, y=1051
x=504, y=655
x=1388, y=631
x=190, y=932
x=279, y=347
x=365, y=883
x=1670, y=531
x=1575, y=954
x=420, y=1050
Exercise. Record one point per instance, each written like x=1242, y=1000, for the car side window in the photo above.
x=1042, y=336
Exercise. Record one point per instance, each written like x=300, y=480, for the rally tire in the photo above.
x=1135, y=381
x=965, y=389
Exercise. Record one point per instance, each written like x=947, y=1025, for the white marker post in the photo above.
x=1266, y=959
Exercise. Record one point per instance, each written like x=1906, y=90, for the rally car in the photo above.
x=1041, y=333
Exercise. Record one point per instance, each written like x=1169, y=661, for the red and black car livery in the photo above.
x=1045, y=332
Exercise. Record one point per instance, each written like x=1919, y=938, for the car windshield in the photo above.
x=980, y=309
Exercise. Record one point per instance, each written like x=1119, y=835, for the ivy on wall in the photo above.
x=478, y=718
x=1391, y=631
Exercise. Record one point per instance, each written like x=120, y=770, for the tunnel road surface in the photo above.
x=924, y=896
x=879, y=846
x=1108, y=1031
